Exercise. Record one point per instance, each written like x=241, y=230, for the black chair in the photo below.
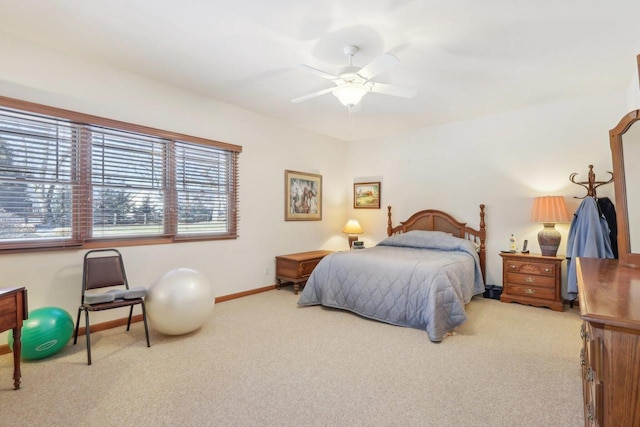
x=104, y=268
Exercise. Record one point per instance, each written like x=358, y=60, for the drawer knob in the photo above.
x=546, y=270
x=530, y=291
x=530, y=280
x=513, y=267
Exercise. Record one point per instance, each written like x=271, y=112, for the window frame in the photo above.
x=82, y=221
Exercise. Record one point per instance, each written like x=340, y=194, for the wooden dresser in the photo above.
x=296, y=268
x=13, y=310
x=532, y=279
x=609, y=295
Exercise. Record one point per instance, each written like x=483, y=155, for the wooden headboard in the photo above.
x=434, y=220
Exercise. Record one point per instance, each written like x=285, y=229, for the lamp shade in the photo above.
x=350, y=94
x=550, y=210
x=352, y=227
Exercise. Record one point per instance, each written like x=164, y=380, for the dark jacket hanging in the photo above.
x=609, y=211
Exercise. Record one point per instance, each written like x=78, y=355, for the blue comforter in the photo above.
x=419, y=279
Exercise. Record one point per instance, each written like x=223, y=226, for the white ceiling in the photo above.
x=467, y=58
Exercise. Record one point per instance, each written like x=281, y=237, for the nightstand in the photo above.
x=296, y=268
x=532, y=279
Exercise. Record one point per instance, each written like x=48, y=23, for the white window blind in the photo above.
x=38, y=180
x=129, y=183
x=204, y=180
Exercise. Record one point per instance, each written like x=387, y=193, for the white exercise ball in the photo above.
x=180, y=301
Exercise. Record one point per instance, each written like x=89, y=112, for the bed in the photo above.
x=421, y=276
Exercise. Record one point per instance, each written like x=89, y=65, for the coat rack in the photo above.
x=591, y=184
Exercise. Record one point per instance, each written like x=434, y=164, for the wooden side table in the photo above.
x=13, y=310
x=296, y=268
x=532, y=279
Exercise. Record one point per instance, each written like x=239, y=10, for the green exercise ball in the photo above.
x=44, y=333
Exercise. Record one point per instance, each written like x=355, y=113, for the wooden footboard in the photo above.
x=435, y=220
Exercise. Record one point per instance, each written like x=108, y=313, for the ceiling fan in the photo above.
x=353, y=83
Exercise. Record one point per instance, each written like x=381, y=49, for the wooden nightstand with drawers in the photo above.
x=532, y=279
x=296, y=268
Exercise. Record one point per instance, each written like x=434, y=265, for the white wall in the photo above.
x=269, y=147
x=503, y=161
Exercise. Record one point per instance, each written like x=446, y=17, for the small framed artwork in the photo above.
x=302, y=196
x=366, y=195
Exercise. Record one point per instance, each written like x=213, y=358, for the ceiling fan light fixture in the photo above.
x=350, y=94
x=353, y=83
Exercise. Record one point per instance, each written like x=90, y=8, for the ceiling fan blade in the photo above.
x=317, y=72
x=313, y=95
x=379, y=65
x=393, y=90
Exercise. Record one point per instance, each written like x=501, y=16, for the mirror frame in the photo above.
x=624, y=242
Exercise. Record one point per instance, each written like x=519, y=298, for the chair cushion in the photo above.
x=135, y=292
x=117, y=293
x=90, y=298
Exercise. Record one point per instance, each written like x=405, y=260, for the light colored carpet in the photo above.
x=264, y=361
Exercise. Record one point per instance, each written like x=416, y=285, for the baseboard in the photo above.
x=4, y=349
x=244, y=293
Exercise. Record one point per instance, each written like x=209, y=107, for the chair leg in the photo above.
x=130, y=314
x=75, y=335
x=144, y=319
x=88, y=335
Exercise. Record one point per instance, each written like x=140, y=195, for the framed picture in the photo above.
x=302, y=196
x=366, y=195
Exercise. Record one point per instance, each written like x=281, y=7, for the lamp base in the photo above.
x=352, y=238
x=549, y=240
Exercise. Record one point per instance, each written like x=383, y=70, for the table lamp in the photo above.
x=549, y=210
x=352, y=228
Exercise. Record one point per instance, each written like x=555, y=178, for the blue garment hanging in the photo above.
x=588, y=237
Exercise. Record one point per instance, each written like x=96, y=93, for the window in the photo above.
x=68, y=179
